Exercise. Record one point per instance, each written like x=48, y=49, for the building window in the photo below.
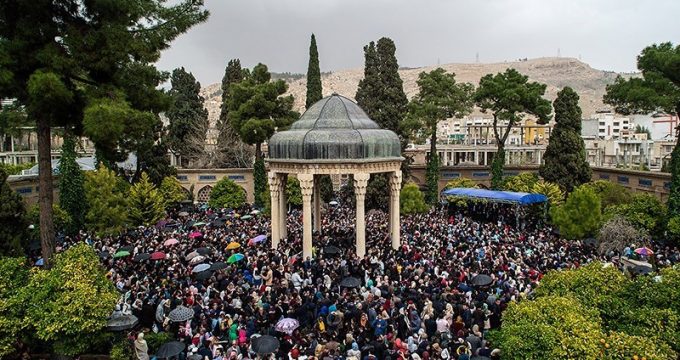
x=667, y=185
x=604, y=176
x=450, y=175
x=480, y=174
x=23, y=191
x=204, y=194
x=182, y=178
x=622, y=179
x=645, y=182
x=206, y=177
x=237, y=177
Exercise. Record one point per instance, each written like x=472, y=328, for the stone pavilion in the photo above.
x=334, y=136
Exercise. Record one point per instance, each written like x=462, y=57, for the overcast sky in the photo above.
x=607, y=34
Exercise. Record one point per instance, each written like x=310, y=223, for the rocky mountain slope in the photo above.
x=589, y=83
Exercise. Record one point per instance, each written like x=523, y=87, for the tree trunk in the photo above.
x=45, y=195
x=433, y=141
x=258, y=151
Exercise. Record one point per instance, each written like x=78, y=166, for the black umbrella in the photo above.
x=203, y=275
x=203, y=251
x=265, y=344
x=181, y=313
x=190, y=223
x=171, y=225
x=350, y=282
x=170, y=349
x=482, y=280
x=141, y=257
x=126, y=248
x=121, y=322
x=331, y=250
x=218, y=266
x=104, y=254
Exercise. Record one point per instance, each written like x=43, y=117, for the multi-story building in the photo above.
x=607, y=126
x=22, y=147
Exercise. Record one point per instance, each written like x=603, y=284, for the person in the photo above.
x=141, y=348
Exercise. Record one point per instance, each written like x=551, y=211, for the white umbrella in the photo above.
x=200, y=267
x=197, y=260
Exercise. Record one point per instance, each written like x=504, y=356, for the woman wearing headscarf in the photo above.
x=141, y=348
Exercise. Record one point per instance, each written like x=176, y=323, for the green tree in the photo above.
x=609, y=193
x=71, y=186
x=231, y=151
x=62, y=219
x=13, y=277
x=411, y=200
x=107, y=199
x=461, y=182
x=75, y=298
x=60, y=57
x=260, y=178
x=439, y=98
x=550, y=327
x=523, y=182
x=509, y=96
x=145, y=202
x=645, y=212
x=293, y=191
x=381, y=92
x=432, y=179
x=187, y=116
x=565, y=157
x=657, y=90
x=227, y=194
x=314, y=89
x=172, y=191
x=326, y=188
x=579, y=216
x=551, y=190
x=377, y=192
x=13, y=225
x=257, y=108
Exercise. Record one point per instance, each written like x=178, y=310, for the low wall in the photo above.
x=201, y=181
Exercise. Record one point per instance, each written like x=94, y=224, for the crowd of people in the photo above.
x=416, y=302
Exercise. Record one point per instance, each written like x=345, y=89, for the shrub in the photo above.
x=227, y=194
x=412, y=200
x=579, y=216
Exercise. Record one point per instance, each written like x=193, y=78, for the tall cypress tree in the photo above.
x=71, y=185
x=565, y=156
x=231, y=151
x=314, y=89
x=188, y=117
x=381, y=95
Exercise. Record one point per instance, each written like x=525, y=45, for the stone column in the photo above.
x=395, y=190
x=274, y=192
x=360, y=182
x=283, y=208
x=317, y=205
x=307, y=187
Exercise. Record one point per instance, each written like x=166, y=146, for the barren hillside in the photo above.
x=589, y=83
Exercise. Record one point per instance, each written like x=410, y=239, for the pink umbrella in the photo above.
x=171, y=242
x=195, y=234
x=644, y=251
x=158, y=255
x=257, y=239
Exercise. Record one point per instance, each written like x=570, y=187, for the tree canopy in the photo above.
x=90, y=65
x=509, y=96
x=565, y=157
x=227, y=194
x=71, y=185
x=314, y=89
x=231, y=151
x=146, y=203
x=108, y=208
x=187, y=116
x=580, y=215
x=13, y=225
x=412, y=200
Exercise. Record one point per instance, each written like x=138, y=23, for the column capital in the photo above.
x=306, y=184
x=274, y=182
x=395, y=180
x=360, y=183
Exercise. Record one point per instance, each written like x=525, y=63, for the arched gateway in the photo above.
x=334, y=136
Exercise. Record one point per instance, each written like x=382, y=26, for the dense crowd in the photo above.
x=418, y=302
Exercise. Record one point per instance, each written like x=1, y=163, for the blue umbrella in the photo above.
x=40, y=262
x=200, y=267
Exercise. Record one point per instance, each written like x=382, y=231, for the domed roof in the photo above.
x=334, y=128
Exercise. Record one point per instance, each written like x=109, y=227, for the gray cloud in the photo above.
x=607, y=34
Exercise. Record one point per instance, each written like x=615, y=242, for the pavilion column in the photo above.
x=360, y=183
x=395, y=189
x=283, y=208
x=274, y=187
x=307, y=187
x=317, y=205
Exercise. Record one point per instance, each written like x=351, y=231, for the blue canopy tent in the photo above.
x=497, y=196
x=507, y=197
